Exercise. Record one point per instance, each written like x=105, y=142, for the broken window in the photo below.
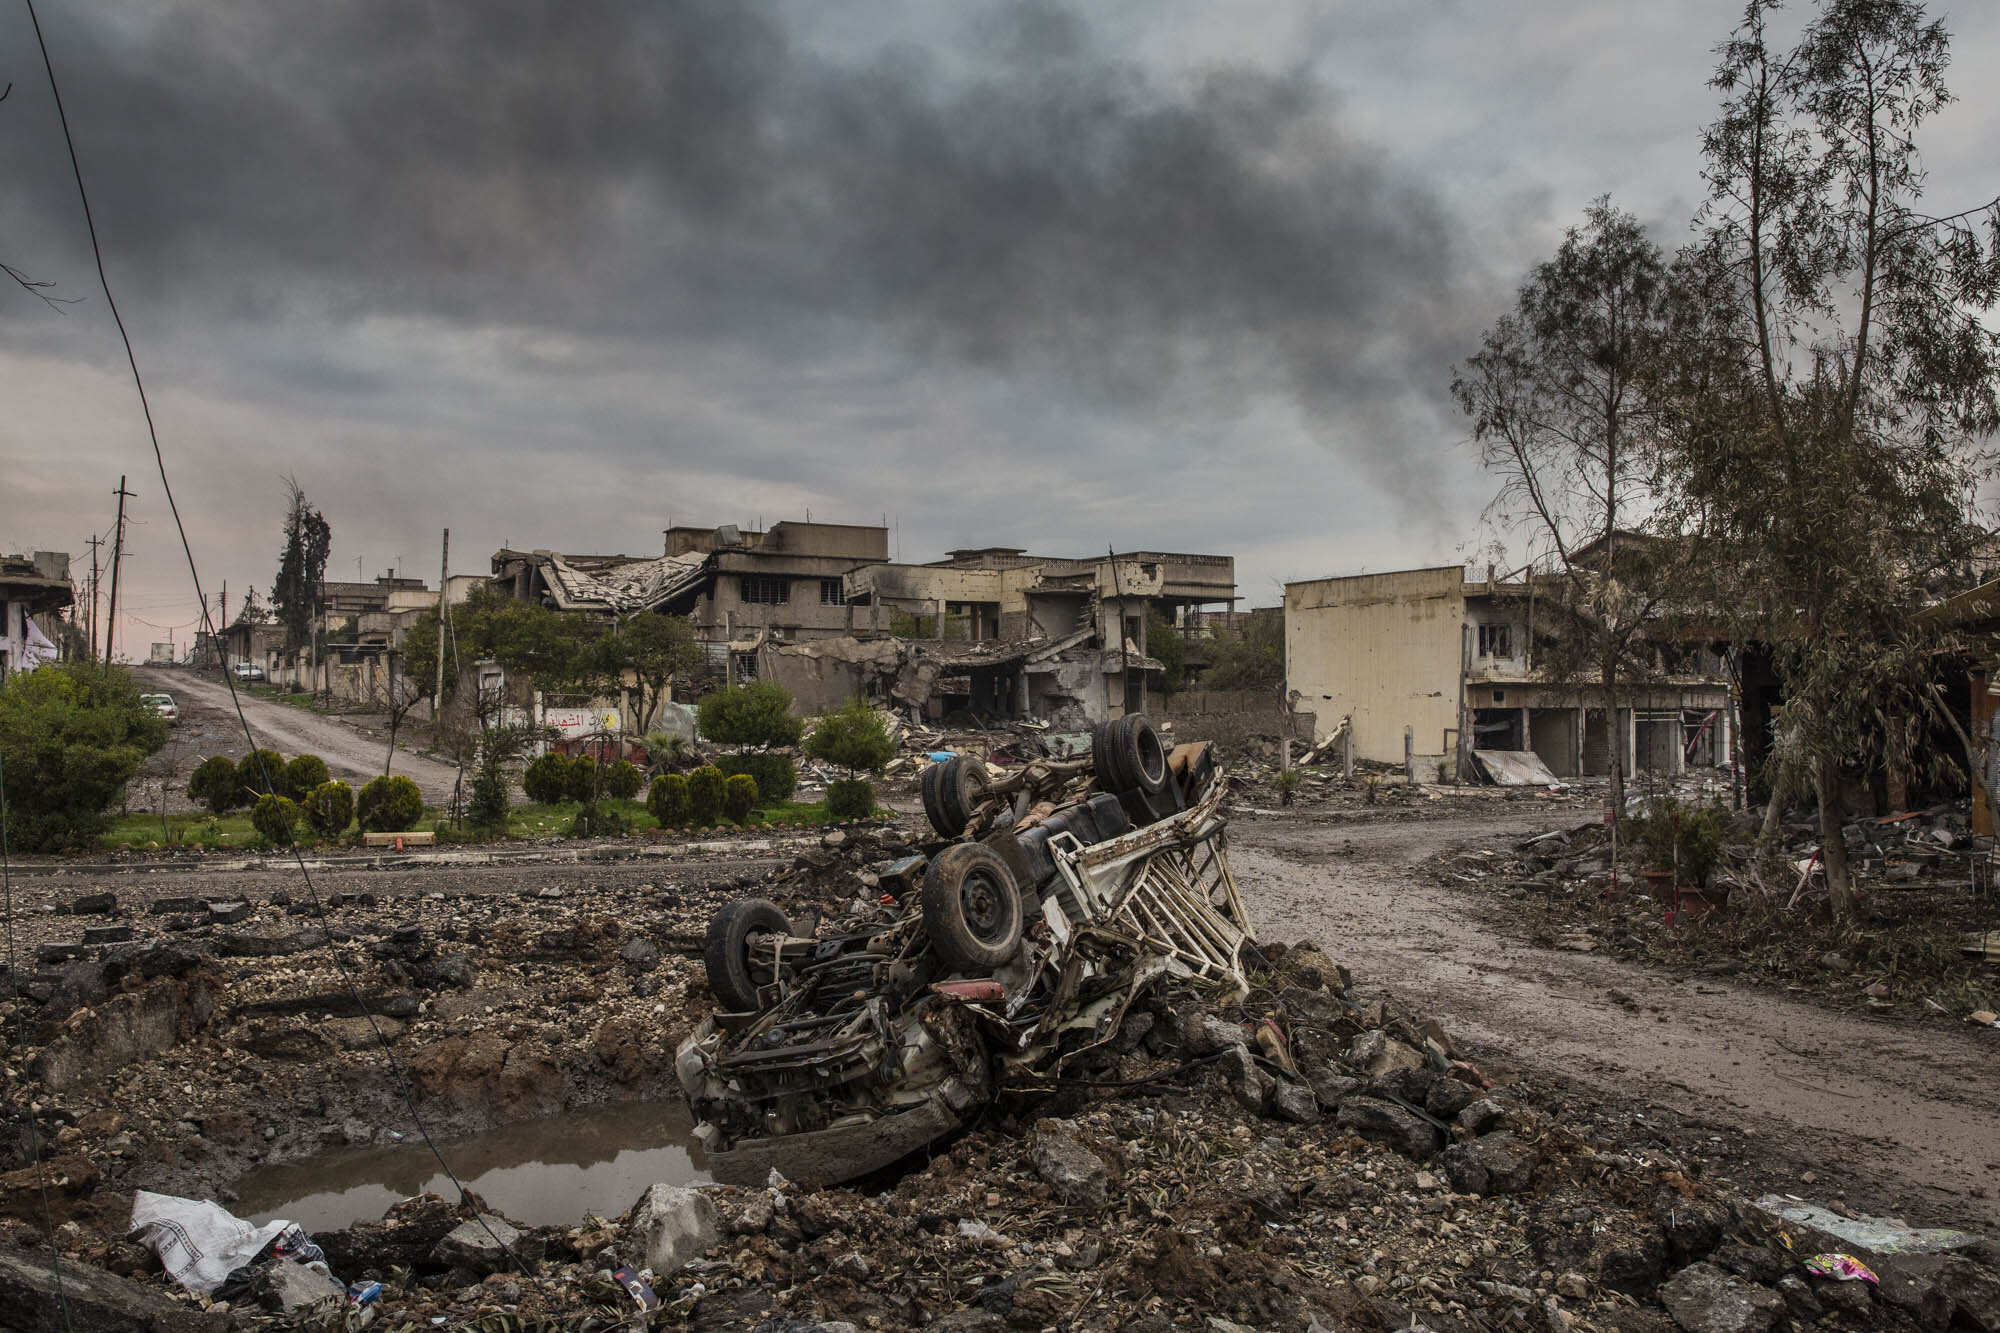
x=1496, y=641
x=746, y=666
x=832, y=592
x=766, y=589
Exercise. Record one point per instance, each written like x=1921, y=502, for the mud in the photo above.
x=591, y=1162
x=1897, y=1117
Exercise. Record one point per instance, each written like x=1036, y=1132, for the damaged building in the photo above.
x=994, y=632
x=1432, y=669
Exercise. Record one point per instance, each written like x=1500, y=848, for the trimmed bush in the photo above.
x=390, y=805
x=583, y=779
x=330, y=808
x=705, y=795
x=850, y=798
x=754, y=713
x=623, y=780
x=668, y=800
x=776, y=776
x=739, y=797
x=546, y=778
x=274, y=817
x=214, y=783
x=304, y=775
x=855, y=736
x=261, y=772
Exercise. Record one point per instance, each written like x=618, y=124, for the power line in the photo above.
x=401, y=1075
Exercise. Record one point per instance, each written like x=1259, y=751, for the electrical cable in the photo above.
x=401, y=1078
x=21, y=1056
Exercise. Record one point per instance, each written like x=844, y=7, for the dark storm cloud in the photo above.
x=664, y=173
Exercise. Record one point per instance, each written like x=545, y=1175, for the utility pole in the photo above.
x=95, y=542
x=117, y=554
x=444, y=580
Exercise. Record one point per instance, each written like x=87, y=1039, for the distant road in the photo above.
x=209, y=720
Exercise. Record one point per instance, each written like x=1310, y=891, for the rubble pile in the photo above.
x=1924, y=878
x=1291, y=1157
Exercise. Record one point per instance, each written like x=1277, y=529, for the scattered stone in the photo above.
x=1077, y=1174
x=484, y=1245
x=672, y=1225
x=640, y=955
x=1204, y=1033
x=57, y=952
x=1294, y=1101
x=1704, y=1299
x=268, y=946
x=1496, y=1164
x=228, y=913
x=94, y=904
x=36, y=1298
x=1693, y=1228
x=97, y=935
x=1482, y=1116
x=284, y=1287
x=1376, y=1053
x=174, y=906
x=1405, y=1131
x=1634, y=1269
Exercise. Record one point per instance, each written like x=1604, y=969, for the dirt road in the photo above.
x=1898, y=1115
x=208, y=726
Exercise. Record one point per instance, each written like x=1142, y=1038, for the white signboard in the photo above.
x=574, y=722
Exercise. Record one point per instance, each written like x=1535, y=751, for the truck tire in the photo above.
x=951, y=790
x=725, y=952
x=1129, y=756
x=972, y=908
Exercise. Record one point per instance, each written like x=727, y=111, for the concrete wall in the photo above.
x=1230, y=718
x=1382, y=648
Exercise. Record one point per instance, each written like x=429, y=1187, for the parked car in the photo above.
x=1055, y=895
x=249, y=671
x=162, y=704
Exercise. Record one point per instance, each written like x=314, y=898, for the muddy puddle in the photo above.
x=543, y=1173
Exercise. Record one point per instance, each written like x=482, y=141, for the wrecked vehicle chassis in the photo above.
x=868, y=1044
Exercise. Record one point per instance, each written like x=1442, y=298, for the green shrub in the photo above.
x=853, y=736
x=599, y=821
x=623, y=780
x=776, y=776
x=739, y=797
x=214, y=783
x=705, y=795
x=850, y=798
x=390, y=805
x=304, y=775
x=670, y=752
x=546, y=778
x=262, y=773
x=72, y=734
x=1677, y=834
x=487, y=805
x=330, y=808
x=668, y=800
x=754, y=713
x=274, y=818
x=583, y=779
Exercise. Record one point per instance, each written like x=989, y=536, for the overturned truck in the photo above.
x=1054, y=895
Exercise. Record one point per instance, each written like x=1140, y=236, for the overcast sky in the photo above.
x=1143, y=273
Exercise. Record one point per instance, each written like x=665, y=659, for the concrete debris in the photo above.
x=1077, y=1174
x=672, y=1226
x=1704, y=1299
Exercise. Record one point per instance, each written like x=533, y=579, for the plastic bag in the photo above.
x=199, y=1243
x=1841, y=1267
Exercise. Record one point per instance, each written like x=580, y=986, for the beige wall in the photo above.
x=1383, y=648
